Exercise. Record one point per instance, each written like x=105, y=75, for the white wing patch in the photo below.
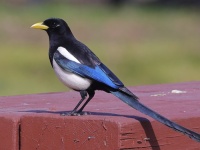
x=67, y=54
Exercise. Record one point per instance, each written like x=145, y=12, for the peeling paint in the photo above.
x=177, y=91
x=159, y=94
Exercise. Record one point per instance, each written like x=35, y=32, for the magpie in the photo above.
x=81, y=70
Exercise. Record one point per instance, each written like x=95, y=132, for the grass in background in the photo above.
x=141, y=45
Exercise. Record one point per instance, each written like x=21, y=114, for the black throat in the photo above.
x=58, y=40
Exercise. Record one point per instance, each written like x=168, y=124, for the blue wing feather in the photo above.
x=97, y=73
x=111, y=75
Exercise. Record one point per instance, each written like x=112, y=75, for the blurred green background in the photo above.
x=141, y=44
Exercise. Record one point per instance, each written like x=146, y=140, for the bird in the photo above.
x=81, y=70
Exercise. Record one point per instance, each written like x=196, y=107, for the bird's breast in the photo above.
x=71, y=80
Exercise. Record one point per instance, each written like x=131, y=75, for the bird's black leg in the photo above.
x=83, y=96
x=91, y=95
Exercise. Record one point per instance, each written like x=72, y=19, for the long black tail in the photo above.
x=134, y=103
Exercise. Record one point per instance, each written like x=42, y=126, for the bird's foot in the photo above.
x=75, y=113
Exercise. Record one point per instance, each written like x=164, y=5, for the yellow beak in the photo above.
x=39, y=25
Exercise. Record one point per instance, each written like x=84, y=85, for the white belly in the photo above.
x=71, y=80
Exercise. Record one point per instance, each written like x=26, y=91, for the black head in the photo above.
x=54, y=27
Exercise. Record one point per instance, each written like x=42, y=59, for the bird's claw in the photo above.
x=74, y=113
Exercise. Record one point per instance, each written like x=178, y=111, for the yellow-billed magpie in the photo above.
x=81, y=70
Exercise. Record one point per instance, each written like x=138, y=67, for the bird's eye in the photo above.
x=54, y=25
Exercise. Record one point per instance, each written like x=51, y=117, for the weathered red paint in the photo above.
x=9, y=131
x=34, y=122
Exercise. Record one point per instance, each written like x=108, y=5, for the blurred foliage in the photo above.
x=141, y=45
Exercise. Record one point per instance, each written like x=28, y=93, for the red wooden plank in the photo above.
x=9, y=132
x=55, y=132
x=118, y=126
